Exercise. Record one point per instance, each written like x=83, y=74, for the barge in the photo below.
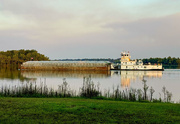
x=67, y=65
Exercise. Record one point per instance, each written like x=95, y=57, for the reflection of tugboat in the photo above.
x=128, y=64
x=127, y=77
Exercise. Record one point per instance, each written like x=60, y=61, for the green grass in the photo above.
x=79, y=110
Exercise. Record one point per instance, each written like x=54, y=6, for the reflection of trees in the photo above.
x=12, y=74
x=128, y=76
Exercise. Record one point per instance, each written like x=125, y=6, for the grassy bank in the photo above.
x=78, y=110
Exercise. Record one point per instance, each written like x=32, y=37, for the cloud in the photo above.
x=150, y=33
x=160, y=29
x=100, y=28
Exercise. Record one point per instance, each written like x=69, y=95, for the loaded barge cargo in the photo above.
x=67, y=65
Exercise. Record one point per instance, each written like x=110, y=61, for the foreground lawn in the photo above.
x=74, y=110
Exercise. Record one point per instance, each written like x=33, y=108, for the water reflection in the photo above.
x=11, y=74
x=64, y=74
x=133, y=79
x=127, y=77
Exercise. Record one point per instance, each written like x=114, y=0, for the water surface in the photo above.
x=170, y=78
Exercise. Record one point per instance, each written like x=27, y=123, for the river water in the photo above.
x=170, y=78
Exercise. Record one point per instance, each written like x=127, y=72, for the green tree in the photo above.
x=20, y=56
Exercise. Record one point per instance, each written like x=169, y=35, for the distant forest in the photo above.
x=165, y=61
x=17, y=57
x=95, y=59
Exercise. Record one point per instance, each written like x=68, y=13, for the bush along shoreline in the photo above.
x=88, y=90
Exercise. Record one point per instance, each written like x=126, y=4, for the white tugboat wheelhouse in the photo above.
x=128, y=64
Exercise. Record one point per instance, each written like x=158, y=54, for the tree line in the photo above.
x=165, y=61
x=17, y=57
x=93, y=59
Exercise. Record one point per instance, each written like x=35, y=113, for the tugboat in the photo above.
x=137, y=65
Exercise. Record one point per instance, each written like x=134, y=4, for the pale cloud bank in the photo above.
x=91, y=28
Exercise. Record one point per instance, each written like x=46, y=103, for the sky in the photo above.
x=62, y=29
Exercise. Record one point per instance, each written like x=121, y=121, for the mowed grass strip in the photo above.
x=79, y=110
